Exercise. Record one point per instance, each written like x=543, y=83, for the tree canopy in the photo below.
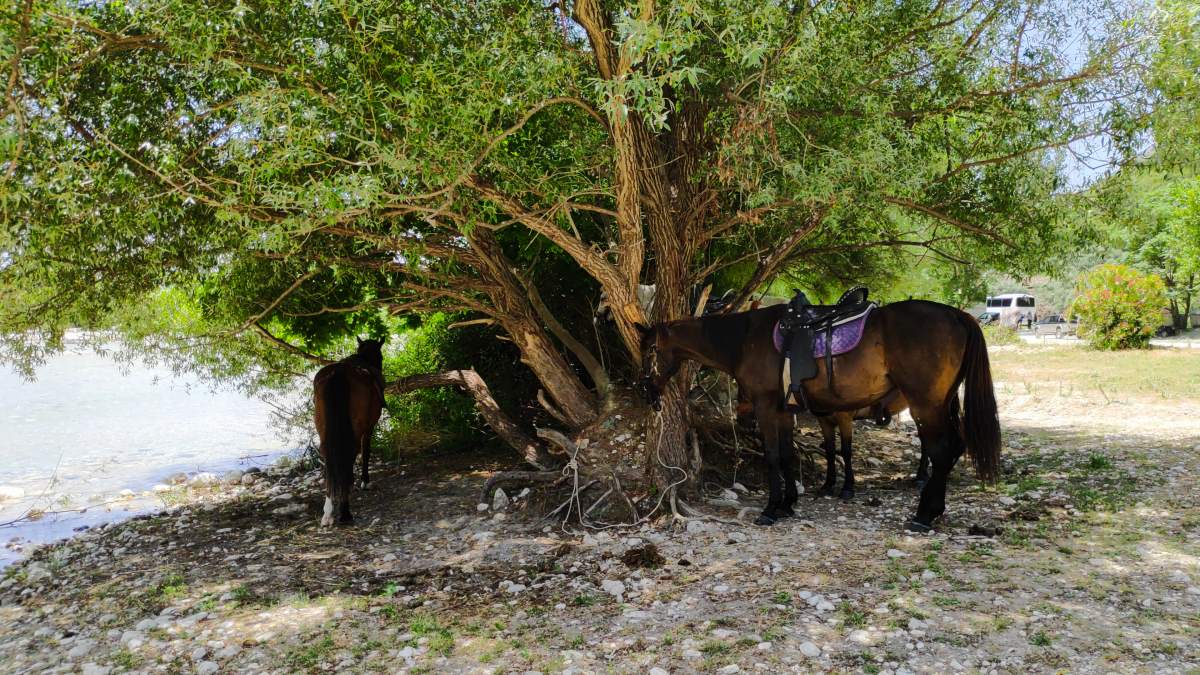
x=289, y=173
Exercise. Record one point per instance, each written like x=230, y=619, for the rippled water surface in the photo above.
x=85, y=430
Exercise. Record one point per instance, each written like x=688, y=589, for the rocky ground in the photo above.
x=1085, y=558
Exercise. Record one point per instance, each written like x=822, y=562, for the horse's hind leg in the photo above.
x=846, y=429
x=941, y=441
x=827, y=444
x=327, y=511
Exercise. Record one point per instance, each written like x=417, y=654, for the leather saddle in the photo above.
x=802, y=323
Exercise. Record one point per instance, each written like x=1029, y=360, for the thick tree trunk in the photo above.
x=577, y=405
x=517, y=315
x=655, y=192
x=1187, y=301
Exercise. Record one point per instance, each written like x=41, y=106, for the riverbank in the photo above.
x=1084, y=557
x=92, y=440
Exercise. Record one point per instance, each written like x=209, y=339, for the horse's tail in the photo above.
x=338, y=438
x=981, y=428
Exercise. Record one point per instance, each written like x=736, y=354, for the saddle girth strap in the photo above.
x=829, y=355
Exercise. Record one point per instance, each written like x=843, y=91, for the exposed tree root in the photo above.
x=517, y=478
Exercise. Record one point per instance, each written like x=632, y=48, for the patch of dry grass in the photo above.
x=1153, y=373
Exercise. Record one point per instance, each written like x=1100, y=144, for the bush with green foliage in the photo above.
x=444, y=416
x=997, y=335
x=1118, y=307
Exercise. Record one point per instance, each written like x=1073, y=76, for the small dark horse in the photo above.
x=893, y=403
x=923, y=349
x=349, y=399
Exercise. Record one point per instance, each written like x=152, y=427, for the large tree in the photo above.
x=301, y=167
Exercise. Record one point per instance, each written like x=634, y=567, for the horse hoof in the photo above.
x=826, y=492
x=916, y=526
x=846, y=495
x=764, y=519
x=787, y=512
x=326, y=521
x=364, y=486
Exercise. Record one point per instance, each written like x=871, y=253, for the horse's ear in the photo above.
x=642, y=328
x=360, y=340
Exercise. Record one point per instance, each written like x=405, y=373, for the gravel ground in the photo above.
x=1084, y=558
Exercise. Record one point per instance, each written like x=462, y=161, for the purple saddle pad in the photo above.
x=847, y=333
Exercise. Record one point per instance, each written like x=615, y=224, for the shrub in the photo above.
x=444, y=416
x=1118, y=307
x=997, y=335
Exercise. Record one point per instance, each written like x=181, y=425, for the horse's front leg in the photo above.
x=922, y=469
x=365, y=449
x=768, y=423
x=787, y=458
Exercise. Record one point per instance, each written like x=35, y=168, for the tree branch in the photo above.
x=946, y=218
x=767, y=267
x=589, y=362
x=470, y=382
x=289, y=347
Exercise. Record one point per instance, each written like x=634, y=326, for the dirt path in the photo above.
x=1095, y=567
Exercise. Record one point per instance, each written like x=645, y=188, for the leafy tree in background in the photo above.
x=300, y=172
x=1118, y=307
x=1151, y=218
x=1149, y=209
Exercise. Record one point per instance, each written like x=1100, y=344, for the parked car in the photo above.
x=988, y=317
x=1055, y=325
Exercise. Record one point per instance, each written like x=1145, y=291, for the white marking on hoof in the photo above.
x=327, y=518
x=363, y=486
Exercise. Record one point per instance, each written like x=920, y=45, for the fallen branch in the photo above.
x=517, y=477
x=470, y=382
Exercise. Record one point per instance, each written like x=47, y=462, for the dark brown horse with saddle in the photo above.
x=349, y=399
x=925, y=350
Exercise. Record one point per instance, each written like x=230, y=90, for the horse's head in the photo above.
x=659, y=362
x=371, y=351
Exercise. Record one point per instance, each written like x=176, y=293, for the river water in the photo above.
x=86, y=430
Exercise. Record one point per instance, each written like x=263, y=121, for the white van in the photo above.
x=1011, y=309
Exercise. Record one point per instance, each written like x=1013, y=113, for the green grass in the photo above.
x=242, y=595
x=171, y=587
x=126, y=660
x=852, y=617
x=309, y=654
x=1040, y=639
x=441, y=638
x=584, y=600
x=946, y=601
x=715, y=647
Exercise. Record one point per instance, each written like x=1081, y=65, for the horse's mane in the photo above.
x=728, y=333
